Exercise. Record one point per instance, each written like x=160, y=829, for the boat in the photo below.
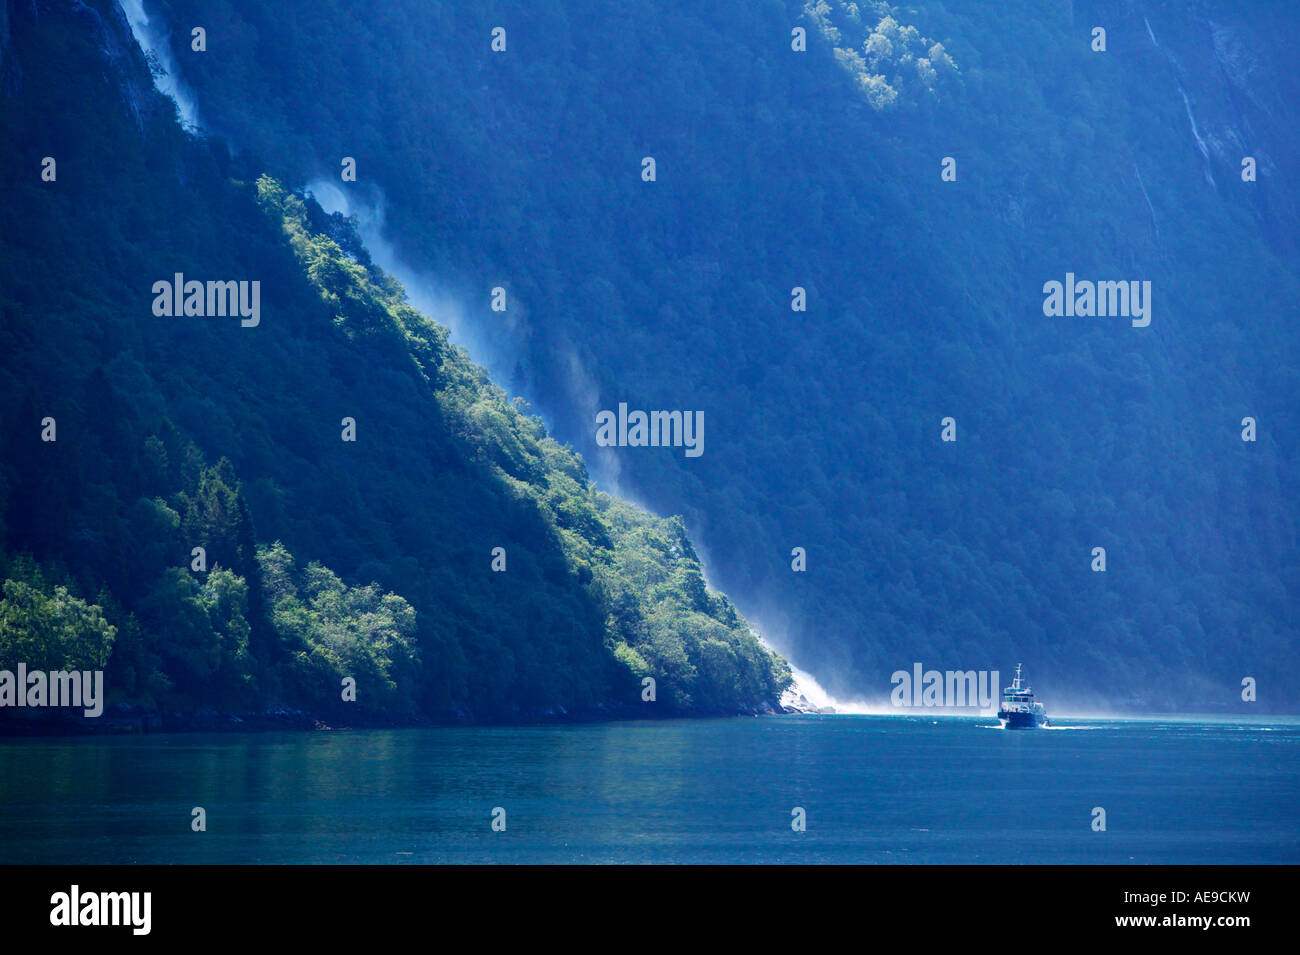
x=1019, y=709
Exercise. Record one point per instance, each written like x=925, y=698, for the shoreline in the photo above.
x=129, y=720
x=125, y=720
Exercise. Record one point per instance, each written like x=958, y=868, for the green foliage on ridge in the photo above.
x=887, y=60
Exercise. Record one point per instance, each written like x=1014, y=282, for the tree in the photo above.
x=51, y=630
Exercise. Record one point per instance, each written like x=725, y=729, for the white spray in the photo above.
x=153, y=40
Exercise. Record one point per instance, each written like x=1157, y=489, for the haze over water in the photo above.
x=912, y=789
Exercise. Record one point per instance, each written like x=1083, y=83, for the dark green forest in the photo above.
x=821, y=169
x=325, y=558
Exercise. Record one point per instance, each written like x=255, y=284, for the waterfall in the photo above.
x=1200, y=143
x=152, y=41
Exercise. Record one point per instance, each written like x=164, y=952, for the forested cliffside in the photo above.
x=823, y=169
x=368, y=504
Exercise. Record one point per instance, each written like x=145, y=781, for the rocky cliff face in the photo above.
x=10, y=74
x=103, y=20
x=1224, y=63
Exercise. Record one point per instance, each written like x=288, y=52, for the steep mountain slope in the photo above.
x=822, y=170
x=133, y=433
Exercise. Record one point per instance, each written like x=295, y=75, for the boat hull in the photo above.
x=1022, y=721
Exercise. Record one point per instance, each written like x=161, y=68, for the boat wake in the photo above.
x=1002, y=726
x=1072, y=727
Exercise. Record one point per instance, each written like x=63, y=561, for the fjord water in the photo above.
x=875, y=789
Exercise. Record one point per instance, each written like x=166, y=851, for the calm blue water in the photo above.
x=875, y=790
